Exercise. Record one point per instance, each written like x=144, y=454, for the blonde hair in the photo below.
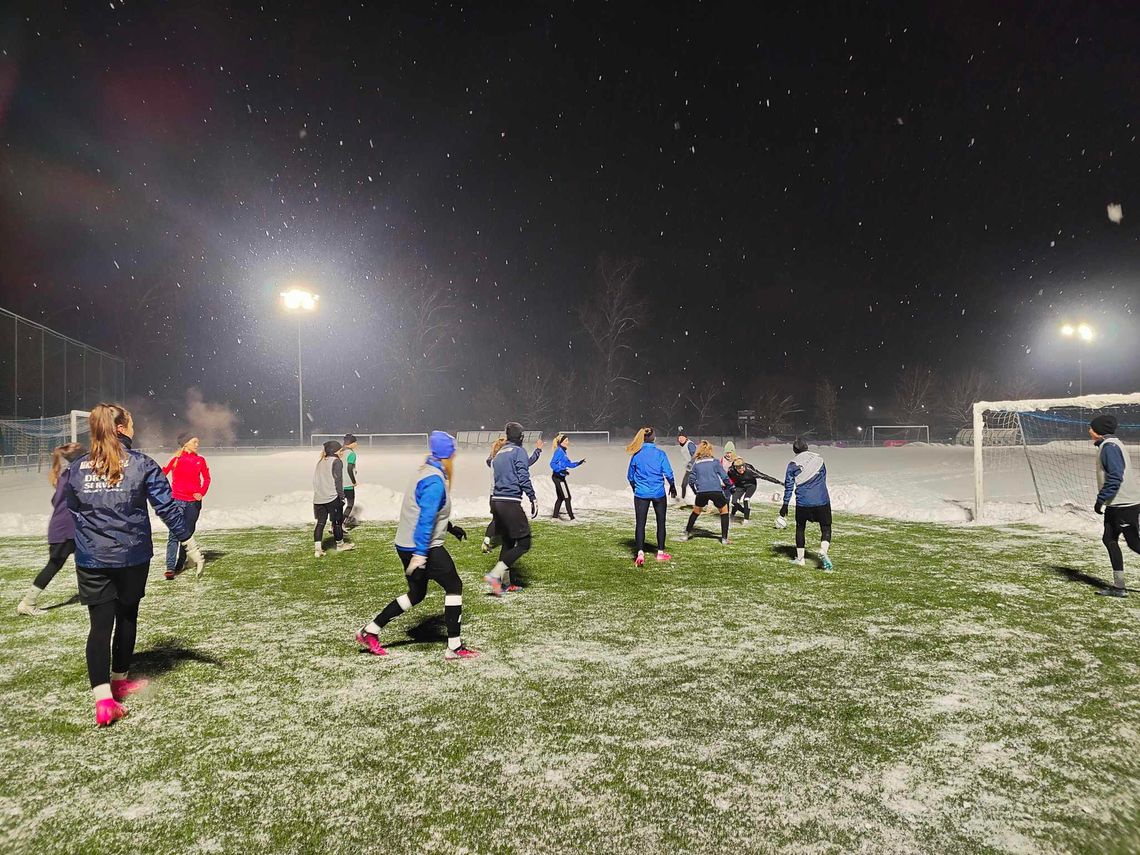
x=639, y=439
x=106, y=448
x=558, y=439
x=497, y=445
x=67, y=452
x=704, y=449
x=448, y=468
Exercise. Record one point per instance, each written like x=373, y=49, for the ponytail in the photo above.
x=639, y=439
x=64, y=453
x=704, y=450
x=106, y=449
x=497, y=445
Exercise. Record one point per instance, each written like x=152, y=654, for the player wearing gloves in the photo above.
x=744, y=477
x=511, y=471
x=691, y=449
x=709, y=483
x=1118, y=498
x=425, y=520
x=807, y=477
x=560, y=466
x=648, y=471
x=107, y=492
x=491, y=533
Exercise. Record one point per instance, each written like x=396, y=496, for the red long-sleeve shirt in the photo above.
x=190, y=475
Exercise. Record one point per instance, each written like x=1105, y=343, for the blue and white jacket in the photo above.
x=560, y=462
x=425, y=511
x=648, y=471
x=1117, y=481
x=690, y=447
x=510, y=470
x=707, y=476
x=807, y=476
x=112, y=526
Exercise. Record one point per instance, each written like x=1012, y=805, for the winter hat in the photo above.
x=729, y=448
x=1104, y=424
x=184, y=437
x=349, y=438
x=442, y=444
x=514, y=432
x=799, y=446
x=331, y=447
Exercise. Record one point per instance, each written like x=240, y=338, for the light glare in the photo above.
x=1085, y=332
x=297, y=299
x=1067, y=330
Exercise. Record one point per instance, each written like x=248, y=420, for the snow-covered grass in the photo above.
x=946, y=689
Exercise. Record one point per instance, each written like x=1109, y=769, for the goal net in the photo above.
x=29, y=442
x=1039, y=451
x=587, y=437
x=891, y=435
x=376, y=440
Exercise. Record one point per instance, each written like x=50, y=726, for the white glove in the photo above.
x=415, y=564
x=781, y=522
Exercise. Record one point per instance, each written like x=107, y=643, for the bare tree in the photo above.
x=960, y=393
x=490, y=407
x=774, y=411
x=1020, y=386
x=672, y=401
x=912, y=393
x=702, y=400
x=422, y=347
x=610, y=316
x=827, y=406
x=533, y=387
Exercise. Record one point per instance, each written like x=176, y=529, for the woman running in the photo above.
x=424, y=521
x=61, y=527
x=648, y=471
x=492, y=530
x=189, y=480
x=560, y=466
x=511, y=471
x=107, y=492
x=709, y=483
x=328, y=498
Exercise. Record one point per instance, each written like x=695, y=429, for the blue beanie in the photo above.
x=442, y=444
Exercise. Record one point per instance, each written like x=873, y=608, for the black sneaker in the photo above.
x=1111, y=592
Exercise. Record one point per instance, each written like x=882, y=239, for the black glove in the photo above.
x=1098, y=508
x=580, y=462
x=632, y=486
x=459, y=532
x=783, y=510
x=672, y=490
x=533, y=508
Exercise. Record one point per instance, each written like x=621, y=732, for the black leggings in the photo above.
x=111, y=640
x=740, y=497
x=439, y=568
x=57, y=555
x=333, y=511
x=562, y=494
x=819, y=514
x=349, y=502
x=1120, y=521
x=641, y=513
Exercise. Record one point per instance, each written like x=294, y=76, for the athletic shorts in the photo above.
x=718, y=499
x=816, y=513
x=510, y=519
x=103, y=584
x=1117, y=519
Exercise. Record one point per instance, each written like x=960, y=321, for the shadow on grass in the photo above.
x=1074, y=575
x=430, y=630
x=213, y=554
x=73, y=600
x=781, y=550
x=168, y=655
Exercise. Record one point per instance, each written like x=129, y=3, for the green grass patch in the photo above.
x=944, y=690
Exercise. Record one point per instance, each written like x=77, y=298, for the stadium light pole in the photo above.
x=1082, y=333
x=299, y=302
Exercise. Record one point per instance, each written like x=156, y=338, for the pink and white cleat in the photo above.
x=639, y=561
x=108, y=711
x=371, y=643
x=513, y=589
x=662, y=555
x=496, y=584
x=460, y=652
x=120, y=689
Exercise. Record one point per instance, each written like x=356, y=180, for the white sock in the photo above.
x=117, y=675
x=32, y=595
x=372, y=628
x=500, y=571
x=316, y=544
x=102, y=692
x=487, y=541
x=454, y=643
x=823, y=547
x=799, y=553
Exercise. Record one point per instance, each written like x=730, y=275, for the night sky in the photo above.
x=839, y=192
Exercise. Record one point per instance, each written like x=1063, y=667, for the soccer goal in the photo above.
x=1039, y=451
x=29, y=442
x=376, y=440
x=588, y=437
x=894, y=435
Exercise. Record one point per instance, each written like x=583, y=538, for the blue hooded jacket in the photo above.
x=511, y=472
x=807, y=476
x=708, y=476
x=112, y=526
x=648, y=471
x=560, y=462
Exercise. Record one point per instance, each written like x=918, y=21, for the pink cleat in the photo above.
x=662, y=555
x=639, y=561
x=122, y=688
x=108, y=711
x=511, y=589
x=460, y=652
x=496, y=584
x=370, y=642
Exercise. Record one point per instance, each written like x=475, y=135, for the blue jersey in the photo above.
x=560, y=462
x=511, y=472
x=648, y=471
x=807, y=476
x=707, y=476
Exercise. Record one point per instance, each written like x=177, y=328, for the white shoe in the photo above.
x=799, y=562
x=26, y=608
x=744, y=522
x=345, y=546
x=683, y=536
x=318, y=552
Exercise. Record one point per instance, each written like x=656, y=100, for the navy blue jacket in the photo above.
x=61, y=528
x=807, y=478
x=560, y=462
x=707, y=476
x=112, y=526
x=511, y=472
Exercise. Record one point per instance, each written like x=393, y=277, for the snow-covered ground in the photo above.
x=273, y=488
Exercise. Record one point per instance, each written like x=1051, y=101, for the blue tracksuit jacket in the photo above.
x=648, y=471
x=807, y=476
x=560, y=462
x=707, y=476
x=511, y=472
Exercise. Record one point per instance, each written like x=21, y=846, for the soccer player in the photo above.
x=189, y=482
x=560, y=466
x=61, y=527
x=511, y=472
x=349, y=444
x=491, y=533
x=648, y=471
x=107, y=492
x=709, y=483
x=328, y=498
x=425, y=520
x=1118, y=498
x=691, y=448
x=807, y=477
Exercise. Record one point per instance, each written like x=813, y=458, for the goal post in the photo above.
x=1038, y=450
x=375, y=440
x=899, y=434
x=79, y=424
x=587, y=436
